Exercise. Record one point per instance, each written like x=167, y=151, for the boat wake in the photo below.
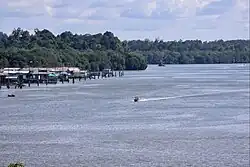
x=191, y=95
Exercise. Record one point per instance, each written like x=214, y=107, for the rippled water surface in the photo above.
x=189, y=115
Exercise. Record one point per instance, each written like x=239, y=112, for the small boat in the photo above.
x=136, y=99
x=11, y=95
x=161, y=64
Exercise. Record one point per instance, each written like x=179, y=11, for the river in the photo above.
x=189, y=115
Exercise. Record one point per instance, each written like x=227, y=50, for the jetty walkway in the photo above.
x=19, y=78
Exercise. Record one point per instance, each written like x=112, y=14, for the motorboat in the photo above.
x=11, y=95
x=161, y=64
x=136, y=99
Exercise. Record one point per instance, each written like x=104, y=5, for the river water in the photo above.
x=189, y=115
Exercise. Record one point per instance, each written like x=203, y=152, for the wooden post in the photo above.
x=21, y=82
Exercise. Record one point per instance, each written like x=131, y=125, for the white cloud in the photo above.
x=131, y=19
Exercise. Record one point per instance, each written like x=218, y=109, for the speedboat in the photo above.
x=11, y=95
x=136, y=99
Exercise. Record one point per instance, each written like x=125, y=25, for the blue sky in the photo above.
x=131, y=19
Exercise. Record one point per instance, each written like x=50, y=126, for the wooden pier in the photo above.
x=19, y=78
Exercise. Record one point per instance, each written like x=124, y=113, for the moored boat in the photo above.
x=11, y=95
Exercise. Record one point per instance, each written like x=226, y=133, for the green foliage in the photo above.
x=90, y=52
x=134, y=60
x=192, y=51
x=99, y=51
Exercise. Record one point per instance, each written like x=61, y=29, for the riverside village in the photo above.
x=20, y=77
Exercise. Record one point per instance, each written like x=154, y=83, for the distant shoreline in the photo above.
x=105, y=50
x=200, y=64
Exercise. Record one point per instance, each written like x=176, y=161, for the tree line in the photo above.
x=99, y=51
x=44, y=49
x=192, y=51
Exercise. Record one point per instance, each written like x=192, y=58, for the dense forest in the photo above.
x=99, y=51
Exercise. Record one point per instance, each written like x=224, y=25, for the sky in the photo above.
x=131, y=19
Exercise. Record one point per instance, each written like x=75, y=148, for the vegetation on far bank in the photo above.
x=99, y=51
